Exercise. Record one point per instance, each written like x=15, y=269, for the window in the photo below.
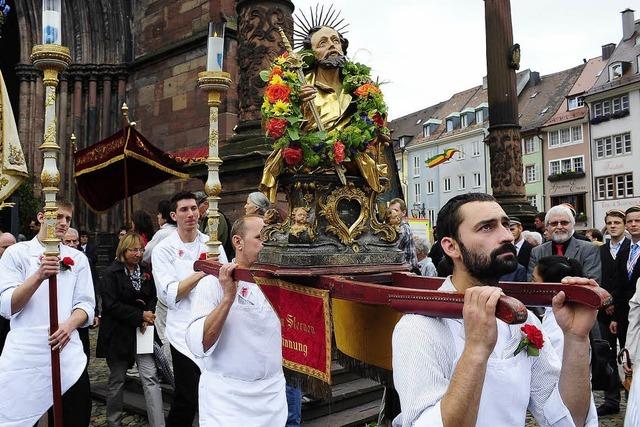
x=576, y=133
x=416, y=166
x=479, y=116
x=430, y=187
x=460, y=152
x=616, y=145
x=614, y=186
x=476, y=179
x=615, y=71
x=447, y=184
x=566, y=136
x=462, y=184
x=572, y=164
x=426, y=131
x=449, y=125
x=531, y=172
x=417, y=192
x=575, y=102
x=606, y=107
x=476, y=148
x=597, y=109
x=530, y=145
x=432, y=216
x=464, y=121
x=398, y=165
x=533, y=200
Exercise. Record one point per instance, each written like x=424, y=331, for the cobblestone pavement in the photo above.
x=99, y=372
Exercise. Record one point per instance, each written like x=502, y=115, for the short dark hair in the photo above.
x=554, y=268
x=182, y=195
x=632, y=209
x=306, y=43
x=615, y=213
x=83, y=233
x=449, y=218
x=596, y=234
x=164, y=209
x=541, y=216
x=239, y=226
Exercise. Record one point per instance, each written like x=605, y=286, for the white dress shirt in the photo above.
x=165, y=230
x=172, y=261
x=425, y=354
x=25, y=364
x=519, y=244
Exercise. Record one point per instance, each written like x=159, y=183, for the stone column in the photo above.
x=66, y=157
x=105, y=127
x=505, y=148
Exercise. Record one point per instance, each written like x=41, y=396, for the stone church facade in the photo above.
x=147, y=53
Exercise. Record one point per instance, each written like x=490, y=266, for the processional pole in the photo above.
x=214, y=82
x=51, y=58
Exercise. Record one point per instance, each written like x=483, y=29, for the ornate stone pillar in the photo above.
x=258, y=43
x=505, y=147
x=26, y=74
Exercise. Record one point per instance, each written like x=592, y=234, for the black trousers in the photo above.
x=612, y=393
x=76, y=404
x=185, y=396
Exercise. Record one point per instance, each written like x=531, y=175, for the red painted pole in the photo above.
x=55, y=354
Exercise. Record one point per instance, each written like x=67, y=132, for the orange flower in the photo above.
x=367, y=89
x=275, y=71
x=277, y=93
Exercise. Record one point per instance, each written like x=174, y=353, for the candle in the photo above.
x=51, y=12
x=215, y=47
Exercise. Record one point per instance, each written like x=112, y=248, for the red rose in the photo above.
x=68, y=261
x=277, y=92
x=338, y=152
x=378, y=120
x=292, y=156
x=203, y=256
x=276, y=127
x=534, y=335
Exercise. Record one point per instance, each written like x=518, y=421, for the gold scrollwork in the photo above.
x=15, y=156
x=387, y=232
x=213, y=115
x=329, y=209
x=51, y=98
x=49, y=180
x=50, y=136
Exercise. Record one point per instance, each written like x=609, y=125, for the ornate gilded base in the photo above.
x=331, y=225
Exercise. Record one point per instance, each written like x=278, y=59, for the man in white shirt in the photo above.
x=25, y=364
x=175, y=279
x=523, y=247
x=465, y=372
x=238, y=335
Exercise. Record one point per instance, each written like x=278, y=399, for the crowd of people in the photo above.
x=217, y=340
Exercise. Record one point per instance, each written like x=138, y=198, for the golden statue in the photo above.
x=323, y=90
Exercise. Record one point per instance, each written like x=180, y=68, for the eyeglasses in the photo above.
x=556, y=223
x=136, y=250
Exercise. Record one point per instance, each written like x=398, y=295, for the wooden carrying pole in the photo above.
x=51, y=59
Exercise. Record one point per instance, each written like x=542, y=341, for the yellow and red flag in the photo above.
x=441, y=158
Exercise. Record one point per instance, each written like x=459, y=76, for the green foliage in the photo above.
x=28, y=204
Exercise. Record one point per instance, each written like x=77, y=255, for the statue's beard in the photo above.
x=333, y=61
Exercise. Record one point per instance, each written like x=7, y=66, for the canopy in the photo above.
x=120, y=166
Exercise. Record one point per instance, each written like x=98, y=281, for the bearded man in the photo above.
x=560, y=225
x=324, y=92
x=469, y=372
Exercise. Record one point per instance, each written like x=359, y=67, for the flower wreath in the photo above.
x=284, y=119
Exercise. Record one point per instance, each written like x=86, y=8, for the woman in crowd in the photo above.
x=257, y=203
x=632, y=416
x=128, y=305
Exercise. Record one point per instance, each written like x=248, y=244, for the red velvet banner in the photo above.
x=306, y=326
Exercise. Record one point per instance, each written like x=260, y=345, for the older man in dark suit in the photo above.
x=560, y=228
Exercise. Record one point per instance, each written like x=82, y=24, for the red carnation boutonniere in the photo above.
x=532, y=341
x=66, y=263
x=146, y=276
x=203, y=257
x=180, y=253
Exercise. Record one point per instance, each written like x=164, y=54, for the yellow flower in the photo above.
x=266, y=104
x=290, y=75
x=281, y=108
x=276, y=80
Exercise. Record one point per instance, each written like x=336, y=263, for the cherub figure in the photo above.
x=300, y=231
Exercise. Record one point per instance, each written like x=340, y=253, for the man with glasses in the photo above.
x=560, y=229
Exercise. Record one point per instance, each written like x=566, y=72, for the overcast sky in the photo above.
x=427, y=50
